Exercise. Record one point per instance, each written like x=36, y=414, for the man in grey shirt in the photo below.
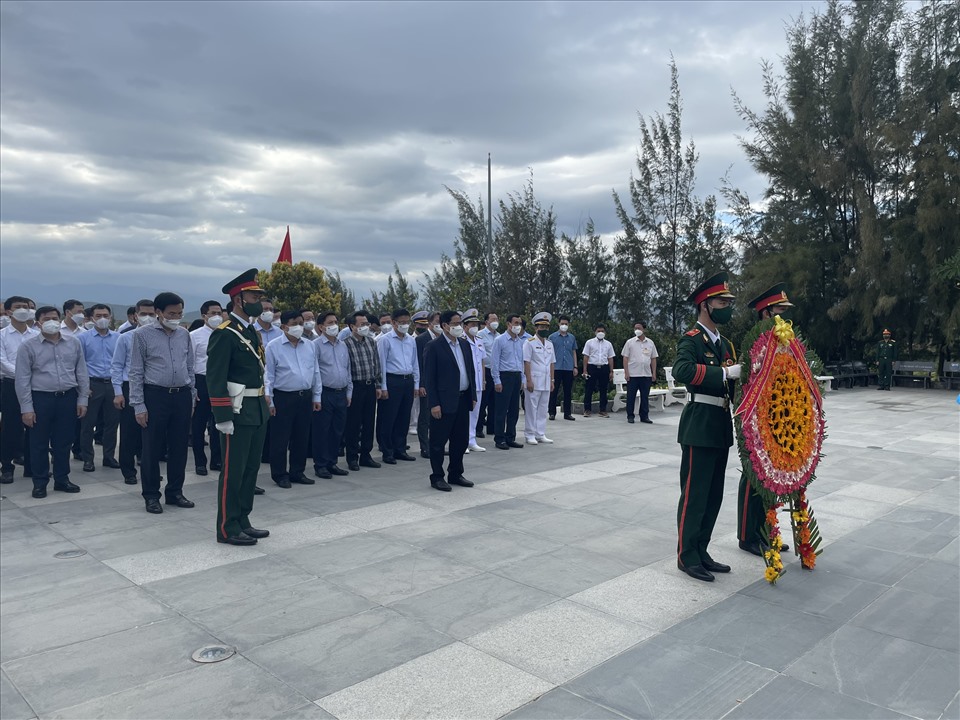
x=53, y=389
x=162, y=395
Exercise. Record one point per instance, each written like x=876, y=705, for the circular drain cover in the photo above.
x=67, y=554
x=213, y=653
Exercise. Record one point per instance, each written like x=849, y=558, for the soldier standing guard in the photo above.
x=235, y=383
x=886, y=356
x=706, y=363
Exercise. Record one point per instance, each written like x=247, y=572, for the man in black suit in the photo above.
x=451, y=394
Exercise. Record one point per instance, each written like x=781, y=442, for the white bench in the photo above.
x=825, y=382
x=620, y=398
x=677, y=394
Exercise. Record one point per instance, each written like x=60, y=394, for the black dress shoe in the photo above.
x=153, y=507
x=284, y=483
x=630, y=420
x=648, y=421
x=180, y=501
x=353, y=466
x=255, y=533
x=461, y=481
x=697, y=572
x=514, y=444
x=89, y=467
x=424, y=454
x=18, y=461
x=215, y=467
x=322, y=473
x=241, y=539
x=552, y=417
x=132, y=480
x=6, y=477
x=502, y=446
x=39, y=492
x=389, y=460
x=66, y=486
x=752, y=548
x=440, y=485
x=715, y=567
x=111, y=463
x=201, y=470
x=480, y=434
x=337, y=470
x=368, y=462
x=405, y=456
x=302, y=479
x=257, y=490
x=571, y=418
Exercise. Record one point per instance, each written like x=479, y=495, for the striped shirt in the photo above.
x=47, y=366
x=161, y=359
x=364, y=359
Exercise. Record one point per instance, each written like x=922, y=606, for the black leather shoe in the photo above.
x=201, y=470
x=571, y=418
x=153, y=507
x=630, y=420
x=215, y=467
x=39, y=492
x=89, y=467
x=353, y=466
x=241, y=539
x=552, y=417
x=180, y=501
x=18, y=461
x=301, y=479
x=648, y=421
x=715, y=567
x=480, y=434
x=405, y=456
x=697, y=572
x=6, y=478
x=389, y=460
x=424, y=454
x=502, y=446
x=66, y=486
x=514, y=444
x=257, y=490
x=130, y=480
x=322, y=473
x=368, y=463
x=337, y=470
x=255, y=533
x=440, y=485
x=784, y=548
x=111, y=463
x=461, y=481
x=284, y=483
x=752, y=548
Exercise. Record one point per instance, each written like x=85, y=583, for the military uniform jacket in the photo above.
x=887, y=350
x=701, y=370
x=230, y=360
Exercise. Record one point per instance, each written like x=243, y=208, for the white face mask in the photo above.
x=516, y=329
x=78, y=318
x=331, y=330
x=295, y=331
x=5, y=320
x=267, y=317
x=20, y=315
x=563, y=328
x=601, y=335
x=437, y=329
x=494, y=325
x=170, y=324
x=88, y=325
x=473, y=331
x=457, y=331
x=309, y=324
x=102, y=323
x=385, y=328
x=363, y=330
x=215, y=321
x=146, y=320
x=638, y=333
x=403, y=328
x=50, y=327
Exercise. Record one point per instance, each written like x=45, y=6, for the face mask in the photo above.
x=50, y=327
x=5, y=320
x=20, y=315
x=309, y=324
x=385, y=328
x=516, y=329
x=494, y=325
x=89, y=325
x=784, y=314
x=457, y=331
x=473, y=331
x=720, y=316
x=331, y=330
x=145, y=320
x=563, y=328
x=363, y=330
x=102, y=323
x=170, y=324
x=543, y=332
x=638, y=333
x=215, y=321
x=295, y=331
x=402, y=328
x=267, y=317
x=601, y=335
x=420, y=330
x=437, y=329
x=78, y=318
x=253, y=309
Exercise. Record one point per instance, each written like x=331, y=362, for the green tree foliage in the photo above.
x=301, y=286
x=588, y=278
x=399, y=294
x=348, y=301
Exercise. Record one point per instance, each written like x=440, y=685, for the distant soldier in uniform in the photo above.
x=886, y=356
x=706, y=363
x=235, y=364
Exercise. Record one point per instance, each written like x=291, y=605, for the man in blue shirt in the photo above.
x=330, y=421
x=565, y=347
x=506, y=369
x=401, y=378
x=131, y=434
x=98, y=346
x=488, y=401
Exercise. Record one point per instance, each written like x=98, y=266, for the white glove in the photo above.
x=733, y=372
x=226, y=427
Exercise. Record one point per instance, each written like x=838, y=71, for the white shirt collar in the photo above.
x=713, y=336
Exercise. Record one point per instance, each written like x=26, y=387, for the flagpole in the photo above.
x=489, y=236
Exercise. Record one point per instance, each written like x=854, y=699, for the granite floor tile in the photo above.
x=456, y=681
x=495, y=548
x=900, y=538
x=836, y=504
x=345, y=553
x=331, y=657
x=916, y=616
x=156, y=565
x=568, y=526
x=57, y=584
x=821, y=592
x=933, y=577
x=879, y=493
x=460, y=498
x=472, y=605
x=953, y=709
x=648, y=509
x=637, y=545
x=790, y=699
x=438, y=530
x=386, y=514
x=310, y=711
x=524, y=485
x=560, y=703
x=507, y=513
x=666, y=678
x=571, y=496
x=950, y=553
x=850, y=558
x=12, y=704
x=565, y=571
x=630, y=483
x=342, y=500
x=143, y=539
x=907, y=677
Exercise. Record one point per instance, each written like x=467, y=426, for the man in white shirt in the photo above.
x=639, y=369
x=598, y=355
x=14, y=435
x=539, y=359
x=73, y=318
x=309, y=325
x=471, y=322
x=211, y=312
x=268, y=325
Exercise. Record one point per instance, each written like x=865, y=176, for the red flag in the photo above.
x=286, y=254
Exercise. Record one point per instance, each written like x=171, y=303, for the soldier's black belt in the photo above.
x=168, y=390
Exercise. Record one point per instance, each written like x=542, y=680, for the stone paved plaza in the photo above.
x=548, y=591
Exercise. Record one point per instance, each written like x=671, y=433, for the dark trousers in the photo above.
x=701, y=494
x=393, y=415
x=290, y=432
x=488, y=406
x=328, y=425
x=423, y=425
x=599, y=380
x=265, y=453
x=238, y=477
x=131, y=437
x=455, y=428
x=562, y=380
x=508, y=408
x=884, y=373
x=101, y=401
x=750, y=513
x=14, y=435
x=643, y=385
x=202, y=424
x=53, y=431
x=358, y=433
x=168, y=413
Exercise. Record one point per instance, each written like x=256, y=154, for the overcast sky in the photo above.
x=166, y=146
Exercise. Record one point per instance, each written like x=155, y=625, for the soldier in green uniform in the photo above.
x=886, y=356
x=750, y=512
x=235, y=383
x=706, y=363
